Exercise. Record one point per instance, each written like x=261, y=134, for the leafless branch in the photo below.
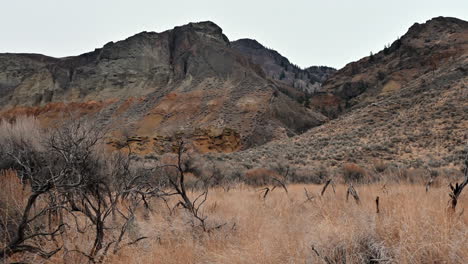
x=377, y=205
x=457, y=189
x=309, y=197
x=325, y=187
x=353, y=193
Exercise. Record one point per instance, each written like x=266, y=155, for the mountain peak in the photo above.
x=205, y=28
x=437, y=25
x=205, y=25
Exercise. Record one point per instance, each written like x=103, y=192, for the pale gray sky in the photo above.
x=308, y=32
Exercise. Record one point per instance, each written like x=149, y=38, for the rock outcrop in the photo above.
x=279, y=68
x=183, y=80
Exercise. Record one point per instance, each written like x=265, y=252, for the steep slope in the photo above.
x=421, y=124
x=279, y=68
x=422, y=50
x=182, y=81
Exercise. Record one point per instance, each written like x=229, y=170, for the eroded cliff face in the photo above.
x=423, y=50
x=184, y=80
x=136, y=66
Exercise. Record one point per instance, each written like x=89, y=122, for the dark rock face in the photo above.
x=130, y=67
x=186, y=79
x=421, y=51
x=279, y=68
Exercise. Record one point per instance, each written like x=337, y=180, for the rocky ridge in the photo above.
x=422, y=50
x=279, y=68
x=181, y=81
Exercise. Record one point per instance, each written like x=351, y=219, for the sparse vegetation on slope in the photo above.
x=419, y=53
x=421, y=125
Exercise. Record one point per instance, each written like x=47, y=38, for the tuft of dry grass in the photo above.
x=22, y=128
x=412, y=227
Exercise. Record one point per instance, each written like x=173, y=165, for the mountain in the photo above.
x=420, y=52
x=188, y=80
x=279, y=68
x=405, y=107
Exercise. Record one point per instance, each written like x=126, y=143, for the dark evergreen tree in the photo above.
x=282, y=75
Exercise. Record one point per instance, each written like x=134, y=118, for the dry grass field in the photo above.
x=412, y=227
x=164, y=216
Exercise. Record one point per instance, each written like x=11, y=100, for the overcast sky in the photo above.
x=307, y=32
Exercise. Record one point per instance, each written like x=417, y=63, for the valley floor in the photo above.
x=413, y=226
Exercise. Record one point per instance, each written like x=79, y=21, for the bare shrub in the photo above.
x=203, y=172
x=20, y=150
x=353, y=173
x=175, y=171
x=67, y=177
x=96, y=186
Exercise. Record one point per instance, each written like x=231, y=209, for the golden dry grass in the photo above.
x=412, y=227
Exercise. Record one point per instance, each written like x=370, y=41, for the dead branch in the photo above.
x=136, y=241
x=351, y=191
x=429, y=184
x=282, y=184
x=377, y=205
x=309, y=197
x=19, y=243
x=457, y=189
x=325, y=187
x=179, y=189
x=324, y=259
x=265, y=191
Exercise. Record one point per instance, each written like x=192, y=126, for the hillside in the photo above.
x=415, y=117
x=406, y=105
x=186, y=81
x=279, y=68
x=423, y=50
